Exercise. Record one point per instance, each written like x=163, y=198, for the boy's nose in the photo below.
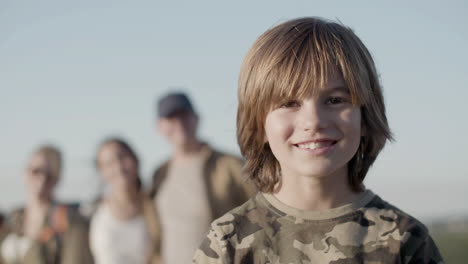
x=312, y=117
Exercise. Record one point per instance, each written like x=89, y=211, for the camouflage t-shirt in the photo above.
x=264, y=230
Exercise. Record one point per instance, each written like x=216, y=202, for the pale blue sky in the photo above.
x=74, y=72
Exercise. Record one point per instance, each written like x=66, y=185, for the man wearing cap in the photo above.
x=196, y=185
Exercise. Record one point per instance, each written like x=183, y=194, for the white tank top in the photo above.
x=114, y=241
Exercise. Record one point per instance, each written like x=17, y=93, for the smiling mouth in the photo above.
x=316, y=145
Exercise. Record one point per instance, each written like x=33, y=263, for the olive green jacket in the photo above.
x=226, y=185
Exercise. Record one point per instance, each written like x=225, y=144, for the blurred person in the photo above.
x=44, y=231
x=195, y=185
x=124, y=226
x=2, y=220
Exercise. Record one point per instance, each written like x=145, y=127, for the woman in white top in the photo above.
x=123, y=227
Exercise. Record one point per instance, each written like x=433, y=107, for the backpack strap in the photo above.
x=60, y=219
x=57, y=223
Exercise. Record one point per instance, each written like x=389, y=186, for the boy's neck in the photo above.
x=314, y=193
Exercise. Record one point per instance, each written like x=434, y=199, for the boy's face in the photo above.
x=315, y=136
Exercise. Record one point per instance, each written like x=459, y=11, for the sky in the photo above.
x=75, y=72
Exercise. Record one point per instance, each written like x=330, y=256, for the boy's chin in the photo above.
x=322, y=172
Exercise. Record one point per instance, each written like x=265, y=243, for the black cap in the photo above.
x=173, y=103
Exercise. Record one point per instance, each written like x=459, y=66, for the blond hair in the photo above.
x=286, y=62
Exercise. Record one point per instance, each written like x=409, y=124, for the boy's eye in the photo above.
x=335, y=100
x=289, y=104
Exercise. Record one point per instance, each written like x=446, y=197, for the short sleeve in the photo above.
x=427, y=252
x=211, y=250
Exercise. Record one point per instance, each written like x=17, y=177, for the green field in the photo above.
x=453, y=246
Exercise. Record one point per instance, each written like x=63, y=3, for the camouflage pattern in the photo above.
x=368, y=231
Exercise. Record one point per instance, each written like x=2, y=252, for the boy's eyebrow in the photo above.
x=340, y=88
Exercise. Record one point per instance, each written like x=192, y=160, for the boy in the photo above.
x=311, y=121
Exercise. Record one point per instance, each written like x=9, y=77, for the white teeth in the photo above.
x=313, y=145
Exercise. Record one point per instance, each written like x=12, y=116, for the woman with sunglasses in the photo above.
x=44, y=231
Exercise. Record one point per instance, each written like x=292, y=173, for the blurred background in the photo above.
x=75, y=72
